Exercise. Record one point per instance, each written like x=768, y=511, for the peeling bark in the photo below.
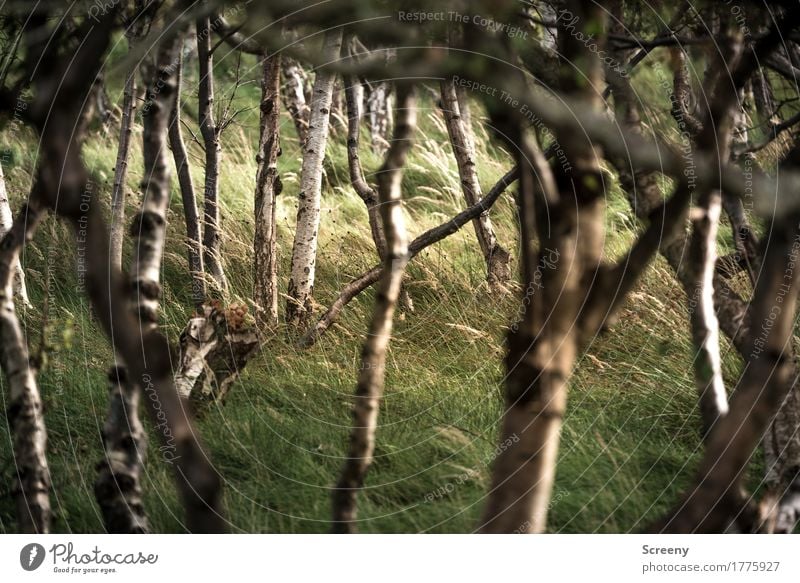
x=268, y=187
x=373, y=356
x=299, y=305
x=214, y=348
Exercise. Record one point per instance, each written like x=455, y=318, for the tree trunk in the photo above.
x=353, y=91
x=710, y=501
x=118, y=192
x=379, y=115
x=215, y=347
x=194, y=244
x=542, y=347
x=118, y=486
x=294, y=97
x=304, y=252
x=31, y=483
x=6, y=221
x=208, y=129
x=268, y=187
x=497, y=259
x=373, y=361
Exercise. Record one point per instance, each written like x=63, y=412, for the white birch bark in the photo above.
x=6, y=220
x=304, y=251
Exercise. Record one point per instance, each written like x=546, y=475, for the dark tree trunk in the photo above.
x=268, y=187
x=208, y=129
x=194, y=244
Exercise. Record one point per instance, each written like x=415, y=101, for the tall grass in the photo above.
x=630, y=438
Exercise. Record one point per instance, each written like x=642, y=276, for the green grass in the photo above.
x=630, y=439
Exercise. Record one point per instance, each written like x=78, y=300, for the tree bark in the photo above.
x=208, y=129
x=294, y=97
x=31, y=482
x=497, y=259
x=215, y=346
x=379, y=115
x=6, y=221
x=304, y=252
x=373, y=357
x=353, y=91
x=194, y=243
x=557, y=281
x=118, y=486
x=712, y=499
x=268, y=187
x=118, y=192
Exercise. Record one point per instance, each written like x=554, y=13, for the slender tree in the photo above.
x=268, y=187
x=373, y=356
x=211, y=142
x=118, y=192
x=497, y=259
x=194, y=242
x=304, y=252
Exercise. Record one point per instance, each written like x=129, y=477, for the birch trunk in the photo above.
x=194, y=244
x=6, y=221
x=497, y=259
x=304, y=252
x=208, y=129
x=373, y=360
x=118, y=192
x=709, y=502
x=31, y=483
x=353, y=92
x=542, y=347
x=268, y=187
x=379, y=116
x=118, y=487
x=294, y=97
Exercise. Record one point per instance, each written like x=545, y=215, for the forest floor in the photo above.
x=630, y=440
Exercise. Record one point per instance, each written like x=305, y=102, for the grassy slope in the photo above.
x=630, y=438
